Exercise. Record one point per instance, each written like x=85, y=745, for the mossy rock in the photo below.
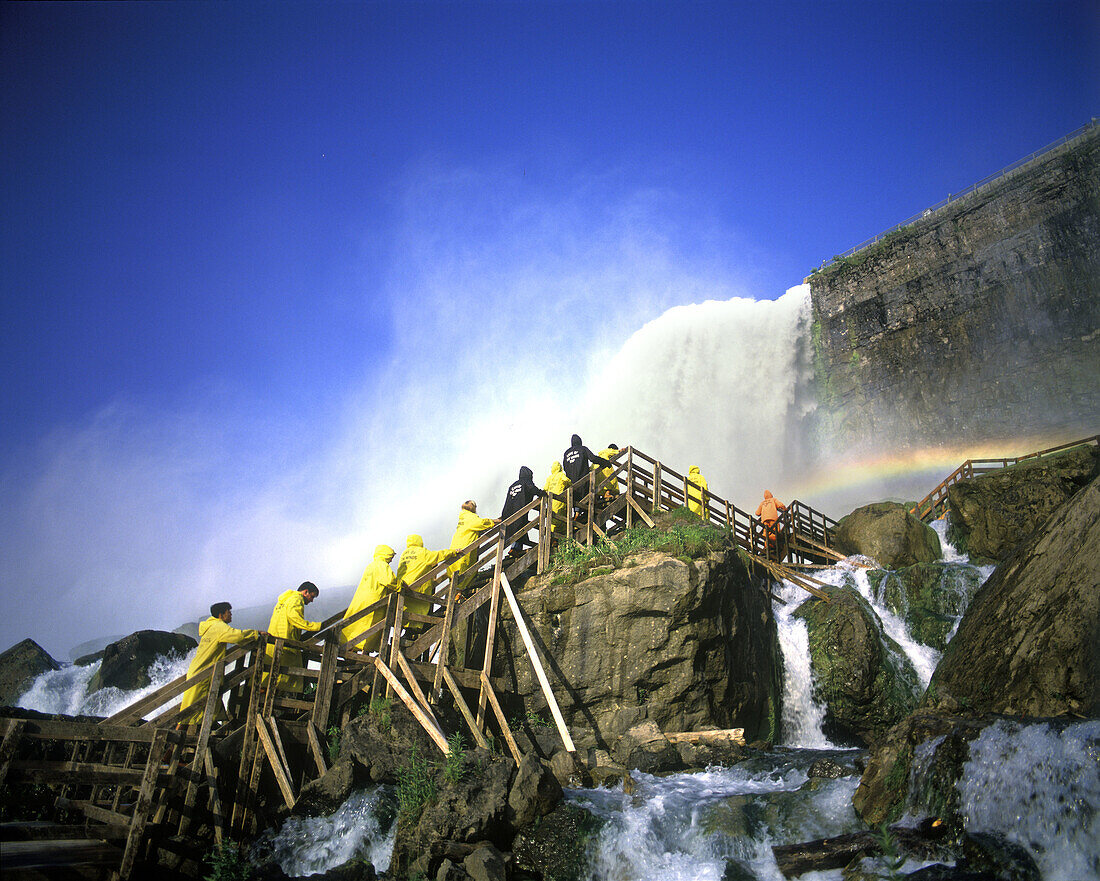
x=930, y=597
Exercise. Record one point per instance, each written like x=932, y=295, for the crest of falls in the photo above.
x=363, y=827
x=65, y=691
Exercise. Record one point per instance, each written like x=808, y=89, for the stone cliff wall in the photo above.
x=980, y=321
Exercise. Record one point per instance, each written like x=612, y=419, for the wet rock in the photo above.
x=325, y=794
x=448, y=871
x=994, y=513
x=862, y=676
x=930, y=597
x=354, y=870
x=828, y=769
x=535, y=792
x=126, y=663
x=997, y=857
x=380, y=742
x=569, y=770
x=557, y=847
x=1029, y=643
x=485, y=864
x=646, y=748
x=19, y=665
x=889, y=534
x=686, y=643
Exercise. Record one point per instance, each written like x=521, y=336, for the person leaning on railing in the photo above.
x=415, y=561
x=467, y=530
x=288, y=622
x=576, y=461
x=768, y=512
x=214, y=635
x=378, y=580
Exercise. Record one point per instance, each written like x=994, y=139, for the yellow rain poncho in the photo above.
x=611, y=488
x=378, y=579
x=214, y=636
x=469, y=527
x=696, y=497
x=288, y=622
x=557, y=483
x=415, y=561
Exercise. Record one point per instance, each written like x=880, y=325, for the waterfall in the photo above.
x=802, y=713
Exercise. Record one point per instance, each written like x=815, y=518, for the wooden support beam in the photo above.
x=12, y=735
x=214, y=802
x=315, y=749
x=540, y=673
x=499, y=713
x=213, y=703
x=136, y=837
x=640, y=512
x=322, y=700
x=464, y=709
x=490, y=639
x=249, y=753
x=427, y=722
x=414, y=686
x=281, y=775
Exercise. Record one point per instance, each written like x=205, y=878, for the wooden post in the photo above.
x=214, y=802
x=569, y=512
x=656, y=487
x=487, y=688
x=463, y=708
x=521, y=625
x=322, y=700
x=445, y=637
x=245, y=772
x=414, y=686
x=136, y=836
x=213, y=699
x=427, y=722
x=315, y=748
x=10, y=743
x=494, y=613
x=276, y=764
x=629, y=486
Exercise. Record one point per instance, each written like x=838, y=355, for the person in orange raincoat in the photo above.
x=768, y=512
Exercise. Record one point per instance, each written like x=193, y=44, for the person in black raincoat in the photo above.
x=577, y=462
x=520, y=493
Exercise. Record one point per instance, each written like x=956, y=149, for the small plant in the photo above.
x=380, y=709
x=227, y=863
x=415, y=785
x=333, y=744
x=892, y=858
x=455, y=768
x=534, y=720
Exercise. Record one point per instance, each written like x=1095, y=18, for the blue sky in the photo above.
x=249, y=250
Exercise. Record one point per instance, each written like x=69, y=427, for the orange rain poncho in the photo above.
x=768, y=510
x=288, y=622
x=557, y=483
x=378, y=579
x=415, y=561
x=214, y=636
x=696, y=497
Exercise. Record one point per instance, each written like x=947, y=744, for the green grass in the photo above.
x=333, y=744
x=227, y=863
x=415, y=785
x=686, y=537
x=454, y=768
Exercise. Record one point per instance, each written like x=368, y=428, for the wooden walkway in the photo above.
x=934, y=504
x=143, y=781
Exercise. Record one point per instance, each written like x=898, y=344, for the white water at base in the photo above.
x=312, y=845
x=948, y=551
x=65, y=691
x=1041, y=789
x=802, y=713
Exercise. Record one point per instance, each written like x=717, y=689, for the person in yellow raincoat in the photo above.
x=610, y=490
x=288, y=622
x=415, y=561
x=469, y=527
x=214, y=635
x=378, y=579
x=697, y=494
x=557, y=483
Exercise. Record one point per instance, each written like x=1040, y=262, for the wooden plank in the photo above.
x=315, y=749
x=94, y=812
x=499, y=713
x=24, y=771
x=322, y=700
x=414, y=687
x=96, y=732
x=12, y=734
x=213, y=701
x=444, y=637
x=277, y=739
x=272, y=679
x=144, y=803
x=459, y=613
x=640, y=512
x=239, y=812
x=464, y=709
x=426, y=722
x=494, y=613
x=24, y=856
x=734, y=735
x=540, y=673
x=214, y=801
x=275, y=761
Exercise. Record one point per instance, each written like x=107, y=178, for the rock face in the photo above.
x=862, y=675
x=930, y=597
x=687, y=645
x=991, y=514
x=1029, y=644
x=19, y=665
x=126, y=662
x=888, y=533
x=975, y=322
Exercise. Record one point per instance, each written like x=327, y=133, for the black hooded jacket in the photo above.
x=578, y=459
x=520, y=493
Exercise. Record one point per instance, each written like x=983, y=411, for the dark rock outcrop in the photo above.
x=861, y=675
x=19, y=666
x=1029, y=644
x=126, y=662
x=993, y=513
x=557, y=847
x=888, y=533
x=687, y=644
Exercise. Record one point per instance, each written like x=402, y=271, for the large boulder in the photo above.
x=888, y=533
x=126, y=663
x=930, y=597
x=1029, y=643
x=557, y=847
x=860, y=674
x=685, y=643
x=993, y=513
x=19, y=666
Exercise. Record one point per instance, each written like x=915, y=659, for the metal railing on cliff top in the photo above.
x=1078, y=134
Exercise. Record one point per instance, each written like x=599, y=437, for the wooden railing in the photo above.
x=934, y=504
x=447, y=655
